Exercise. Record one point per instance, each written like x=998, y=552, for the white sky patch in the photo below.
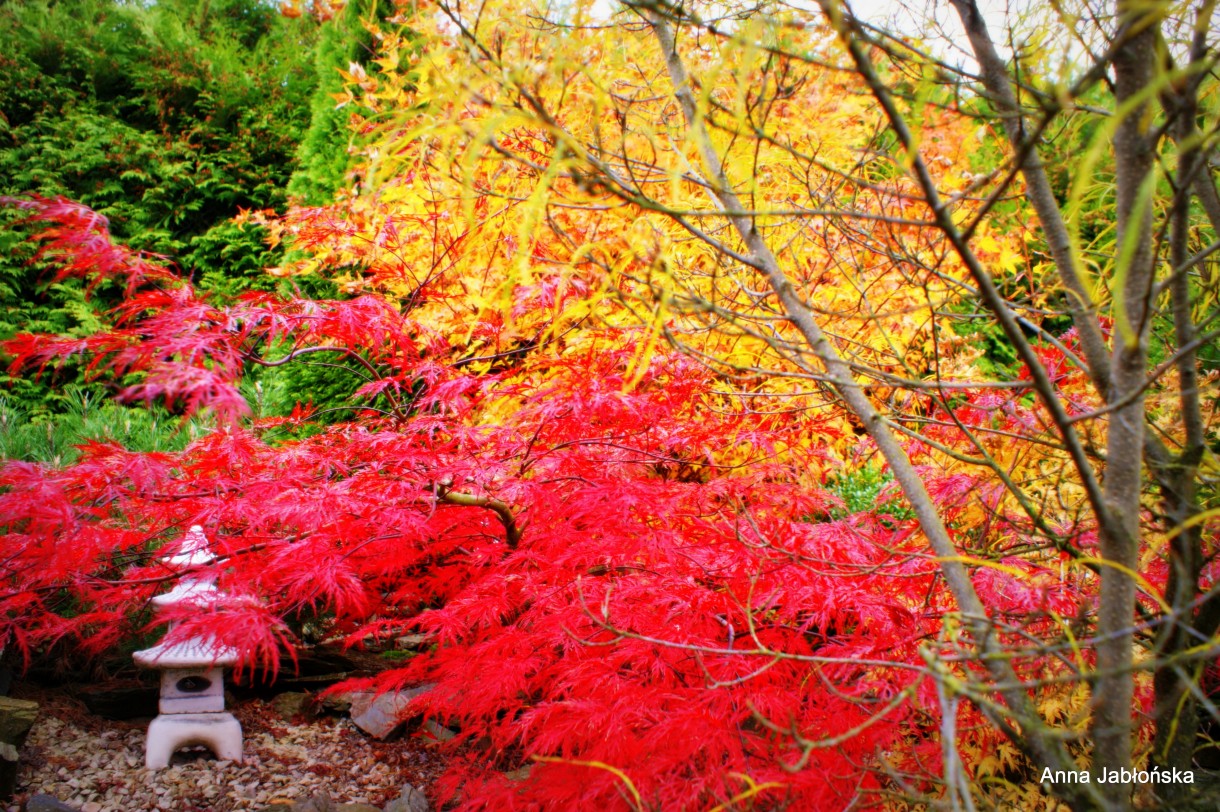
x=936, y=22
x=933, y=21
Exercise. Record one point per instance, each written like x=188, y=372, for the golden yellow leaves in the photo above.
x=521, y=150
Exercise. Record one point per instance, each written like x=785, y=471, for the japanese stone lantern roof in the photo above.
x=185, y=654
x=188, y=590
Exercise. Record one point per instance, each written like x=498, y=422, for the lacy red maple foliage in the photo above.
x=632, y=579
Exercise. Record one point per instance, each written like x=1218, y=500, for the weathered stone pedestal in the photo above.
x=192, y=704
x=168, y=733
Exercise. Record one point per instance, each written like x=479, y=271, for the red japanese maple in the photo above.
x=634, y=579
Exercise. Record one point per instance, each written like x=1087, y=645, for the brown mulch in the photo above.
x=97, y=764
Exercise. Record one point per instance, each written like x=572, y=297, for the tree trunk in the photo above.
x=1113, y=685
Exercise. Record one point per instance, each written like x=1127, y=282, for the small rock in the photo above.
x=45, y=803
x=357, y=808
x=411, y=800
x=519, y=774
x=438, y=731
x=337, y=703
x=291, y=704
x=413, y=641
x=380, y=716
x=318, y=802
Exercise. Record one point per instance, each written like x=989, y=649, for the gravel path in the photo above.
x=98, y=765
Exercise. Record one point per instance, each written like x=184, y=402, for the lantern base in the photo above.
x=219, y=732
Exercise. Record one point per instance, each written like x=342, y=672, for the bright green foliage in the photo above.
x=324, y=156
x=167, y=118
x=866, y=489
x=324, y=382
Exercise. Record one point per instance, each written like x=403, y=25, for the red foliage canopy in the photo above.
x=635, y=582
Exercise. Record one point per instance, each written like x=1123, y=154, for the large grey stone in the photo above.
x=45, y=803
x=16, y=718
x=319, y=668
x=411, y=800
x=120, y=701
x=380, y=716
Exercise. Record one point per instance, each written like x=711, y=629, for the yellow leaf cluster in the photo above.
x=515, y=149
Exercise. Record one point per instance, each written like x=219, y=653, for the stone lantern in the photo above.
x=192, y=704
